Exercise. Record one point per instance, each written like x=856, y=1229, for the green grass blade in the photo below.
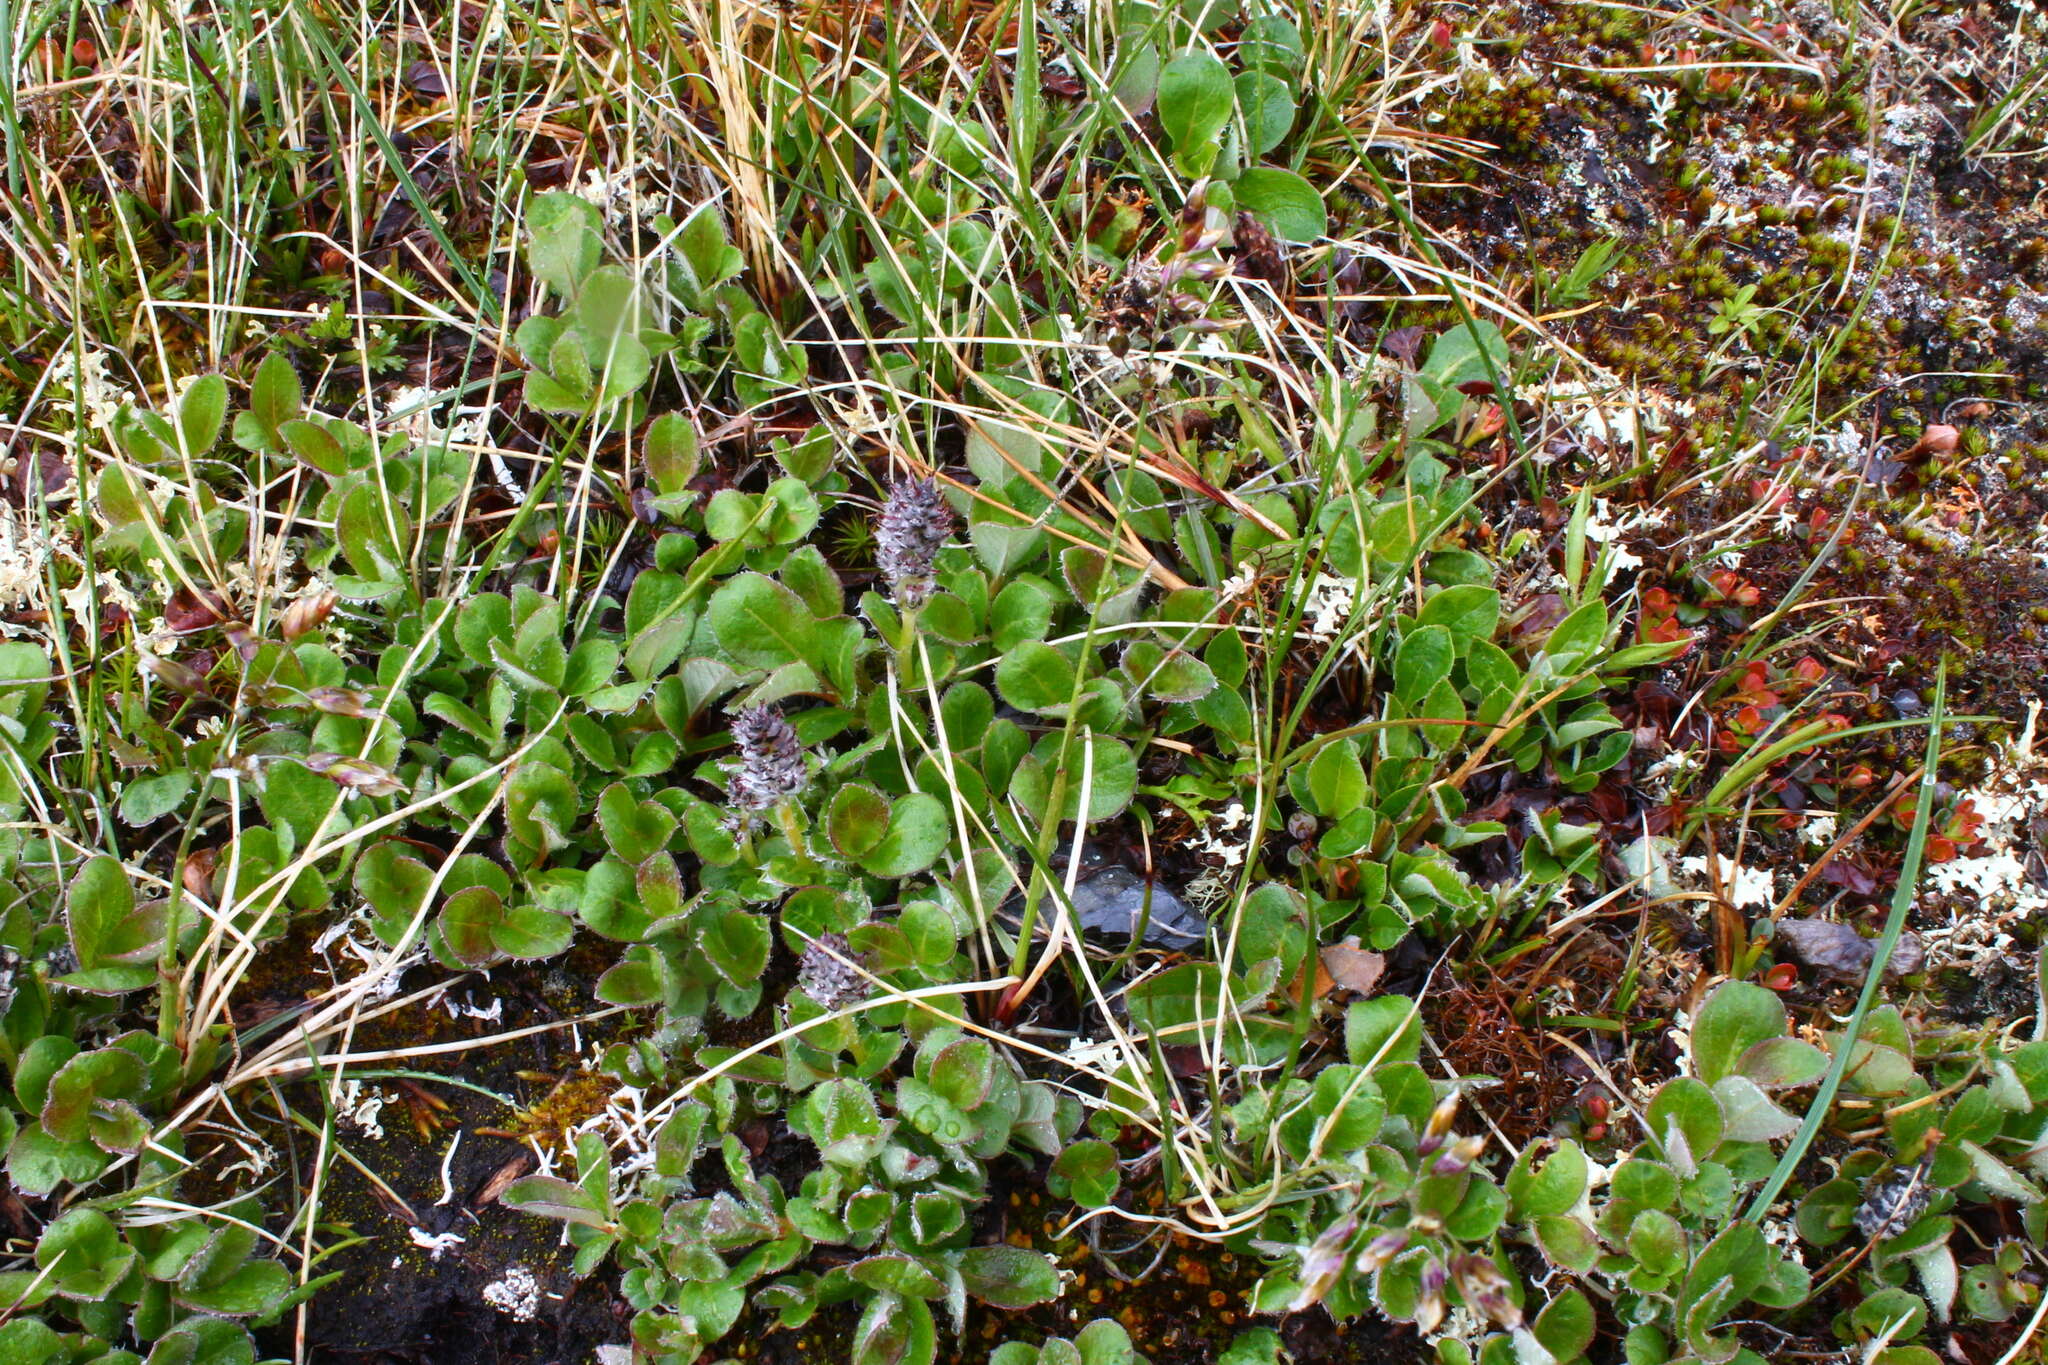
x=1894, y=924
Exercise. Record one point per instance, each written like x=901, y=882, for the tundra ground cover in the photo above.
x=1030, y=683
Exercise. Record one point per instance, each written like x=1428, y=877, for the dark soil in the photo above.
x=398, y=1303
x=409, y=1311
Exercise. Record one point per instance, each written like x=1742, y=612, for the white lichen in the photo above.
x=627, y=1126
x=1742, y=887
x=618, y=196
x=492, y=1013
x=1238, y=584
x=94, y=398
x=359, y=1106
x=1988, y=892
x=23, y=554
x=417, y=411
x=516, y=1294
x=352, y=937
x=1222, y=840
x=1328, y=606
x=1658, y=777
x=1605, y=527
x=258, y=1157
x=435, y=1244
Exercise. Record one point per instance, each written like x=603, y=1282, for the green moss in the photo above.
x=1831, y=171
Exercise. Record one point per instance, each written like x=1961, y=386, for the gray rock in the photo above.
x=1108, y=904
x=1112, y=903
x=1839, y=951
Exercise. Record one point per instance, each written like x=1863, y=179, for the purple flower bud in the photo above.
x=1439, y=1126
x=1459, y=1156
x=1322, y=1261
x=1382, y=1249
x=355, y=774
x=1486, y=1290
x=1429, y=1298
x=915, y=523
x=770, y=768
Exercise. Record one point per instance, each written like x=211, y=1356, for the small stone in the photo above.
x=1834, y=949
x=1908, y=957
x=1112, y=903
x=1837, y=950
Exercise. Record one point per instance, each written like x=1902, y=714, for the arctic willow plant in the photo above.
x=823, y=819
x=1414, y=1225
x=900, y=1170
x=1665, y=1237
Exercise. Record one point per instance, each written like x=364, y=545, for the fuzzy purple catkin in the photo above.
x=826, y=979
x=1893, y=1204
x=771, y=761
x=915, y=523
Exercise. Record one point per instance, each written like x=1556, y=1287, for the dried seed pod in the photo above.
x=1429, y=1298
x=174, y=675
x=196, y=872
x=243, y=639
x=1322, y=1262
x=1459, y=1156
x=1194, y=212
x=1439, y=1126
x=1382, y=1249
